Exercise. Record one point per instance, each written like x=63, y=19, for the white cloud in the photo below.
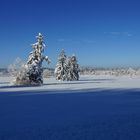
x=119, y=34
x=127, y=34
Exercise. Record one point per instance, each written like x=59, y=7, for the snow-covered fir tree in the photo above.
x=61, y=67
x=73, y=69
x=32, y=72
x=67, y=68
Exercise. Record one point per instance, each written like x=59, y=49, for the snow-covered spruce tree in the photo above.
x=67, y=68
x=73, y=69
x=61, y=67
x=32, y=72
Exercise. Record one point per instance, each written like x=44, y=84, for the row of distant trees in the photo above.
x=100, y=71
x=114, y=72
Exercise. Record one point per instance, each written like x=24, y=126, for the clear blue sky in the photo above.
x=102, y=33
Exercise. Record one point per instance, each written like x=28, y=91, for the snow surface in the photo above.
x=95, y=115
x=103, y=108
x=86, y=82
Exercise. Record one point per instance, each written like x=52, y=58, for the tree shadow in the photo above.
x=72, y=83
x=89, y=81
x=16, y=86
x=4, y=82
x=97, y=80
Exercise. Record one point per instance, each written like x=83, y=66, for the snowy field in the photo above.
x=94, y=108
x=86, y=82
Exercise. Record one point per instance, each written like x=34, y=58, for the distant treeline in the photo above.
x=49, y=72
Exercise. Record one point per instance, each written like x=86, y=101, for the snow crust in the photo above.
x=86, y=82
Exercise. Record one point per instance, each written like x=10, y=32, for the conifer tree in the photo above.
x=32, y=73
x=73, y=69
x=61, y=67
x=67, y=68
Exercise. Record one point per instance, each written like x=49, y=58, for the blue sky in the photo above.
x=102, y=33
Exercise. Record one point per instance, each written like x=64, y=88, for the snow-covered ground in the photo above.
x=86, y=82
x=94, y=108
